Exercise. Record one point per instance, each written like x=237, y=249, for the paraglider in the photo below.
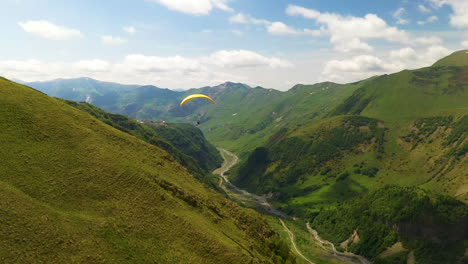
x=190, y=97
x=193, y=96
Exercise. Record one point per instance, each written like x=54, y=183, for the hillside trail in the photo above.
x=249, y=199
x=291, y=237
x=262, y=205
x=345, y=256
x=230, y=159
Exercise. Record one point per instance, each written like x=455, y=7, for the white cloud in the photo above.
x=92, y=65
x=398, y=15
x=404, y=54
x=279, y=28
x=274, y=28
x=459, y=18
x=129, y=30
x=111, y=40
x=240, y=18
x=356, y=68
x=349, y=33
x=353, y=45
x=365, y=66
x=435, y=53
x=465, y=43
x=245, y=58
x=424, y=9
x=194, y=7
x=48, y=30
x=431, y=19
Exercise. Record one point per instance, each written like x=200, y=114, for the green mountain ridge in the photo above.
x=459, y=58
x=421, y=116
x=406, y=129
x=75, y=189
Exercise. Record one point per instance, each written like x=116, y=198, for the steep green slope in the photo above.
x=191, y=141
x=79, y=89
x=185, y=143
x=404, y=96
x=433, y=226
x=77, y=190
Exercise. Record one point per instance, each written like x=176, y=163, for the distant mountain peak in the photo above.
x=233, y=85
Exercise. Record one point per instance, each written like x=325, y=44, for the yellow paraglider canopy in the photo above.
x=190, y=97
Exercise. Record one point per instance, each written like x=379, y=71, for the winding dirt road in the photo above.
x=345, y=256
x=248, y=199
x=261, y=204
x=291, y=237
x=230, y=159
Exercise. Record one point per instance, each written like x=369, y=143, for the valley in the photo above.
x=234, y=132
x=261, y=204
x=342, y=172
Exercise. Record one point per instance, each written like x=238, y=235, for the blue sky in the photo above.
x=192, y=43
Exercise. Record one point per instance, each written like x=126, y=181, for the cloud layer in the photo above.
x=111, y=40
x=48, y=30
x=459, y=18
x=350, y=33
x=170, y=71
x=364, y=66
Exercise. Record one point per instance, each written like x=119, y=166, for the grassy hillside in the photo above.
x=77, y=190
x=433, y=226
x=185, y=143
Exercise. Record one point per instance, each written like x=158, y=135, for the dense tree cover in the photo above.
x=423, y=128
x=286, y=159
x=458, y=136
x=432, y=225
x=191, y=141
x=399, y=258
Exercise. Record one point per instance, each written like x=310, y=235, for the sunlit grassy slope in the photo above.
x=184, y=142
x=74, y=189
